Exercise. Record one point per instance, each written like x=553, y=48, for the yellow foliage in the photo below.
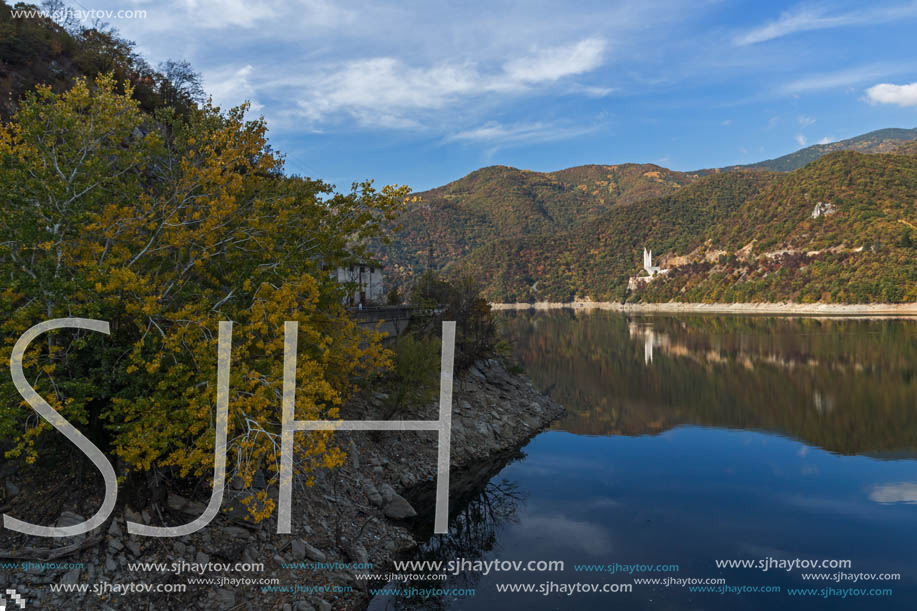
x=164, y=228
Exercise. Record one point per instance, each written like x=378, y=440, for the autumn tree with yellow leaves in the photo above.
x=163, y=226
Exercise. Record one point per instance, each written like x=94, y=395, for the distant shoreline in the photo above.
x=812, y=309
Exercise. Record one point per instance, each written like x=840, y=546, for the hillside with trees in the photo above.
x=144, y=207
x=580, y=232
x=879, y=141
x=841, y=229
x=447, y=223
x=597, y=257
x=39, y=51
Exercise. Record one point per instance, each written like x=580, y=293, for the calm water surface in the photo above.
x=695, y=439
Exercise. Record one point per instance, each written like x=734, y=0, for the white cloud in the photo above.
x=219, y=14
x=373, y=89
x=231, y=87
x=805, y=121
x=444, y=67
x=589, y=537
x=726, y=122
x=826, y=140
x=800, y=139
x=810, y=18
x=905, y=492
x=842, y=78
x=387, y=92
x=592, y=92
x=496, y=133
x=551, y=64
x=886, y=93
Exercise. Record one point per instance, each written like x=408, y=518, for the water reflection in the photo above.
x=845, y=385
x=692, y=439
x=905, y=492
x=473, y=531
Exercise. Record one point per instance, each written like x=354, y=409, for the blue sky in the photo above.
x=421, y=93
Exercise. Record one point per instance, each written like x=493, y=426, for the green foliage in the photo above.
x=36, y=51
x=413, y=381
x=460, y=299
x=738, y=236
x=448, y=223
x=164, y=227
x=597, y=257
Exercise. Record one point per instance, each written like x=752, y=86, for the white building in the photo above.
x=651, y=269
x=367, y=281
x=651, y=272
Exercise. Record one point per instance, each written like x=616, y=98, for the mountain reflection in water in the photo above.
x=696, y=438
x=848, y=386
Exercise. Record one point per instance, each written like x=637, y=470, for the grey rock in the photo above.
x=354, y=457
x=313, y=553
x=387, y=492
x=372, y=493
x=359, y=554
x=68, y=518
x=301, y=605
x=180, y=503
x=71, y=576
x=202, y=558
x=298, y=548
x=11, y=488
x=323, y=605
x=248, y=555
x=225, y=599
x=236, y=532
x=133, y=547
x=398, y=508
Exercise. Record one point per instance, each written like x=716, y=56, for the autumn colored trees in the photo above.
x=163, y=226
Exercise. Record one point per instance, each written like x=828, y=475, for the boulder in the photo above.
x=180, y=503
x=398, y=508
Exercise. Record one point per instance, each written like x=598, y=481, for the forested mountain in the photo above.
x=37, y=51
x=841, y=229
x=580, y=231
x=597, y=257
x=449, y=222
x=879, y=141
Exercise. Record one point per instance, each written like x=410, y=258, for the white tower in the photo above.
x=648, y=261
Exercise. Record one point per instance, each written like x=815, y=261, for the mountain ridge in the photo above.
x=501, y=205
x=842, y=229
x=878, y=141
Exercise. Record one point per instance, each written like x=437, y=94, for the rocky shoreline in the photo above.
x=802, y=309
x=351, y=517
